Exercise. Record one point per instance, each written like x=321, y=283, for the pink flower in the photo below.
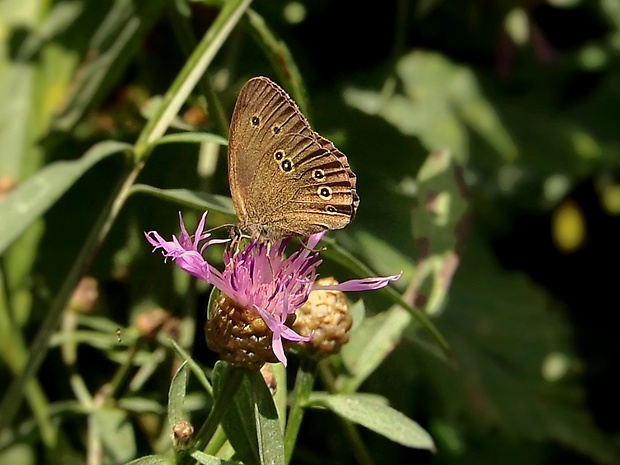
x=259, y=277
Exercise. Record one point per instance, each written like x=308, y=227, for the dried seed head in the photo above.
x=325, y=315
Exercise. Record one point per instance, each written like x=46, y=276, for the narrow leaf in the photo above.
x=370, y=344
x=176, y=395
x=191, y=138
x=194, y=367
x=199, y=200
x=206, y=459
x=252, y=426
x=117, y=434
x=38, y=193
x=151, y=460
x=376, y=415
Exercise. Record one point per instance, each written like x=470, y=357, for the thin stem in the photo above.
x=301, y=393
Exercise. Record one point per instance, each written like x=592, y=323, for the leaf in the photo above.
x=151, y=460
x=140, y=405
x=176, y=396
x=191, y=138
x=118, y=34
x=438, y=221
x=252, y=426
x=439, y=101
x=199, y=200
x=503, y=336
x=38, y=193
x=196, y=369
x=116, y=432
x=207, y=459
x=370, y=344
x=373, y=412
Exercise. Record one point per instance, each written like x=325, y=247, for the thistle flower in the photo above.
x=260, y=279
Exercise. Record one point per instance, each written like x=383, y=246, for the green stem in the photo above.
x=190, y=74
x=301, y=393
x=230, y=385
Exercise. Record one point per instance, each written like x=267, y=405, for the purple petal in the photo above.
x=365, y=284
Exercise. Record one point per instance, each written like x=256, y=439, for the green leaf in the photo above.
x=503, y=338
x=176, y=395
x=342, y=256
x=206, y=459
x=119, y=32
x=198, y=200
x=151, y=460
x=438, y=220
x=440, y=100
x=38, y=193
x=373, y=412
x=369, y=345
x=117, y=434
x=196, y=369
x=232, y=11
x=140, y=405
x=191, y=138
x=252, y=426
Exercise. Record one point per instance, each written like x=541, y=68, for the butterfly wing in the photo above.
x=285, y=179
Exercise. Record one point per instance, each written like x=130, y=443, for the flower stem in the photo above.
x=301, y=393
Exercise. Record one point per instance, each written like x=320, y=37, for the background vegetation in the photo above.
x=503, y=232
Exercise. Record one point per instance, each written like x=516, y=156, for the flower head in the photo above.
x=260, y=279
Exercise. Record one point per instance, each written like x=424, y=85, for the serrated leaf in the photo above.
x=176, y=395
x=191, y=138
x=38, y=193
x=252, y=426
x=199, y=200
x=373, y=412
x=116, y=433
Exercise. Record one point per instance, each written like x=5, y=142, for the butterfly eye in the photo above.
x=325, y=192
x=278, y=155
x=286, y=165
x=255, y=120
x=318, y=174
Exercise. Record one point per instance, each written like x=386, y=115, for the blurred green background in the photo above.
x=510, y=247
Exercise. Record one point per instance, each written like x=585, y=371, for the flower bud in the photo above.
x=182, y=434
x=325, y=315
